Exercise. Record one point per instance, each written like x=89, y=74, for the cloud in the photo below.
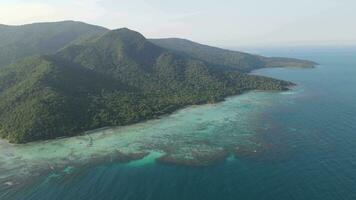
x=24, y=13
x=29, y=12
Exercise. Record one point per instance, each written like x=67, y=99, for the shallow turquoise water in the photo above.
x=294, y=145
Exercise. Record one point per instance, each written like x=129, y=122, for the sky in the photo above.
x=224, y=23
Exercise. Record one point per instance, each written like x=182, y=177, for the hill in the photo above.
x=113, y=79
x=18, y=42
x=228, y=59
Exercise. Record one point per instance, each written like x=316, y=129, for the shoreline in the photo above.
x=183, y=138
x=158, y=117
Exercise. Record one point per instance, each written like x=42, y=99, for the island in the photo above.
x=63, y=78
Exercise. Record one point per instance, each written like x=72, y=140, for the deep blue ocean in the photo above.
x=313, y=135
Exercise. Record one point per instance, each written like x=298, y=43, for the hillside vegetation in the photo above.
x=228, y=59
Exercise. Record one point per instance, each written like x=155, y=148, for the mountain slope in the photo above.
x=115, y=79
x=18, y=42
x=49, y=98
x=228, y=59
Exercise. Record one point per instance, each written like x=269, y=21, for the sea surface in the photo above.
x=299, y=144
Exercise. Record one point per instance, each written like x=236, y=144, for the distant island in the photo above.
x=62, y=78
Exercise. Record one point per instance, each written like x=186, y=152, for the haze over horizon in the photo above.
x=228, y=24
